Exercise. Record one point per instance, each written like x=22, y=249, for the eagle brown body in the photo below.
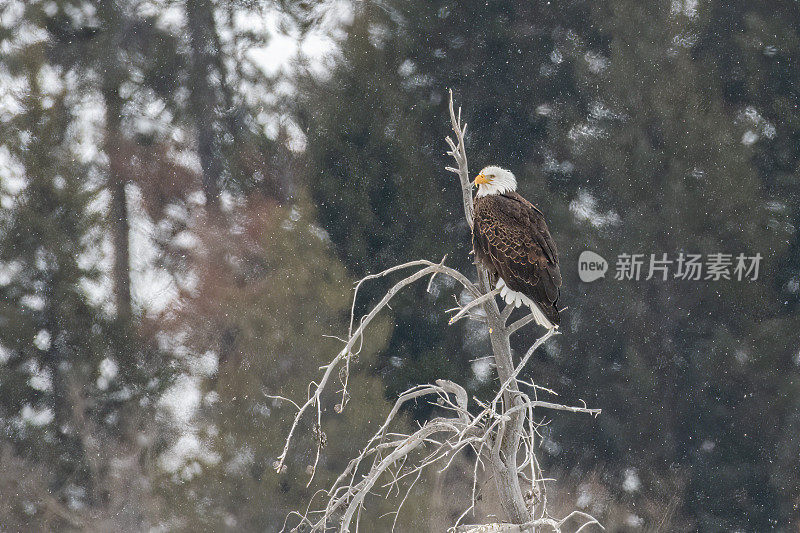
x=511, y=239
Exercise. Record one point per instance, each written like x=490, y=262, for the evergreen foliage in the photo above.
x=619, y=109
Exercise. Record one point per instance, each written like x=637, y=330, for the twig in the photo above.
x=520, y=323
x=313, y=399
x=555, y=406
x=507, y=310
x=472, y=304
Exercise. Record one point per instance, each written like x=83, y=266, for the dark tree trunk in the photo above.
x=118, y=213
x=204, y=98
x=120, y=231
x=69, y=415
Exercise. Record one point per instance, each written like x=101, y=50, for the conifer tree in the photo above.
x=259, y=323
x=75, y=383
x=623, y=135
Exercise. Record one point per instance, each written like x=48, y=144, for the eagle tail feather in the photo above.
x=516, y=299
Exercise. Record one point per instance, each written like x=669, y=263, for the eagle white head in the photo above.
x=495, y=180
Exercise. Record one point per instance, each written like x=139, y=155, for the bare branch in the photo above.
x=520, y=323
x=459, y=153
x=355, y=336
x=472, y=304
x=555, y=406
x=507, y=310
x=433, y=276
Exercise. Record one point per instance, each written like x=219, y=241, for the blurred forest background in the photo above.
x=190, y=188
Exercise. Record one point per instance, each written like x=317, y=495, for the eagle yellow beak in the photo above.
x=480, y=179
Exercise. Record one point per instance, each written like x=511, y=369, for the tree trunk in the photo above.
x=118, y=213
x=203, y=98
x=504, y=465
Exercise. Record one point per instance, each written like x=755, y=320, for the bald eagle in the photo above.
x=510, y=238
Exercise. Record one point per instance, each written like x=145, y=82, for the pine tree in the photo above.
x=73, y=382
x=258, y=321
x=664, y=153
x=622, y=133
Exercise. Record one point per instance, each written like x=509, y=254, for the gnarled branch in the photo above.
x=499, y=433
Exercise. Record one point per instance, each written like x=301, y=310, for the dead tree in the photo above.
x=501, y=432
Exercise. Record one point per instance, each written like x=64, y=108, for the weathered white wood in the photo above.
x=491, y=528
x=499, y=434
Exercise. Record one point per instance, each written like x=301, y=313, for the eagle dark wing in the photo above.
x=511, y=238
